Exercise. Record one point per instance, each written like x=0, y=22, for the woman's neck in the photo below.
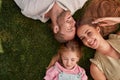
x=107, y=49
x=104, y=48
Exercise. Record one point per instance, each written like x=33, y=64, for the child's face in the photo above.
x=69, y=59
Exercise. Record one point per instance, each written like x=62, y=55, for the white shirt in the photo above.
x=36, y=9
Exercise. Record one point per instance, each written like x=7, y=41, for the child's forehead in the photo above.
x=69, y=53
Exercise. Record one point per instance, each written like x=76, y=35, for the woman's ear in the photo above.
x=98, y=29
x=55, y=29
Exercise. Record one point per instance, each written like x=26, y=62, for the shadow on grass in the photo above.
x=28, y=45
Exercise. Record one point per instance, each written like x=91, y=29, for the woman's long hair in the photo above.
x=103, y=8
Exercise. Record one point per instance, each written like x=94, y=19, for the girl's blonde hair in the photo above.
x=68, y=46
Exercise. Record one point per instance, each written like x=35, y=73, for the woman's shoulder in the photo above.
x=114, y=41
x=114, y=36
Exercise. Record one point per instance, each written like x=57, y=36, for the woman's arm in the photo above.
x=107, y=21
x=96, y=73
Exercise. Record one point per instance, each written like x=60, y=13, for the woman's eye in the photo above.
x=82, y=38
x=89, y=33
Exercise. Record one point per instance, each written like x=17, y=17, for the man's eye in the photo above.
x=69, y=17
x=67, y=21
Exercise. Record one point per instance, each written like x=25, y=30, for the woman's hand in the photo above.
x=107, y=21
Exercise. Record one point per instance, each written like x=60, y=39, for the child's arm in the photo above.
x=51, y=74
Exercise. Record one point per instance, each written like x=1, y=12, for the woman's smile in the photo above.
x=93, y=43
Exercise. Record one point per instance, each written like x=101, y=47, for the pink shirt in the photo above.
x=53, y=72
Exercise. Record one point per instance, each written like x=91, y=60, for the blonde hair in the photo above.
x=59, y=37
x=71, y=45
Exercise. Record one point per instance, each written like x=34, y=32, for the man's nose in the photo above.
x=72, y=22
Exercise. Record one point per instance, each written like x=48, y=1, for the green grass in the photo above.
x=28, y=45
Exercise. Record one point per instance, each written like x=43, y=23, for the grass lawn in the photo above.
x=28, y=45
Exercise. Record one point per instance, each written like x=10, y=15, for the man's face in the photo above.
x=66, y=25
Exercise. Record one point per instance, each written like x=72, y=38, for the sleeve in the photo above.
x=114, y=41
x=83, y=74
x=114, y=36
x=97, y=61
x=35, y=9
x=51, y=74
x=72, y=5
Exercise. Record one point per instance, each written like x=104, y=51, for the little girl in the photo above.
x=63, y=65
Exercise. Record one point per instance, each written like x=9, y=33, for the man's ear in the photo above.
x=55, y=29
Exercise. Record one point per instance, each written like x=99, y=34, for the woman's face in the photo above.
x=90, y=36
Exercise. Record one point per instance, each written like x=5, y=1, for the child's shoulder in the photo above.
x=51, y=73
x=80, y=69
x=51, y=70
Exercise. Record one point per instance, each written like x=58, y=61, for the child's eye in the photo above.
x=72, y=60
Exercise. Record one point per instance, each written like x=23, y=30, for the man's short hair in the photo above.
x=59, y=37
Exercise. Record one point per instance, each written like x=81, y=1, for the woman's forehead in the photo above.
x=83, y=29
